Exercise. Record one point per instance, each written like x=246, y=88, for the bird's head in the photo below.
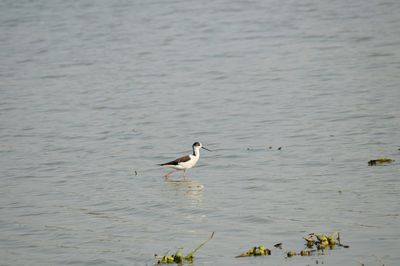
x=198, y=145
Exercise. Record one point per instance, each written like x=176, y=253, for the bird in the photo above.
x=185, y=162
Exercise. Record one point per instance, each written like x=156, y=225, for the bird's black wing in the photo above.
x=177, y=161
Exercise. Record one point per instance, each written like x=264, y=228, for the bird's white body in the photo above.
x=182, y=166
x=185, y=162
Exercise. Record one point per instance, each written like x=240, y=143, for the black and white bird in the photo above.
x=185, y=162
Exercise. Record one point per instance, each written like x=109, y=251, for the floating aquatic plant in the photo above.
x=178, y=257
x=260, y=250
x=315, y=243
x=380, y=161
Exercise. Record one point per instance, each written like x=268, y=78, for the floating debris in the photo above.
x=309, y=241
x=178, y=256
x=303, y=253
x=322, y=241
x=255, y=251
x=380, y=161
x=317, y=243
x=190, y=255
x=307, y=252
x=166, y=259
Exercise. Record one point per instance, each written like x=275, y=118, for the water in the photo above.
x=93, y=91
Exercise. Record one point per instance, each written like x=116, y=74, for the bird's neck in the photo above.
x=196, y=152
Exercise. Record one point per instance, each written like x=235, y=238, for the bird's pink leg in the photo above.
x=168, y=174
x=184, y=174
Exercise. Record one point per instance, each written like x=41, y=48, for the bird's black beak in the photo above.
x=206, y=149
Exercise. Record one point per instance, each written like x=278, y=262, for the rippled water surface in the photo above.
x=95, y=93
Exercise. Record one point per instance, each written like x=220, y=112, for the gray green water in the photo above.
x=92, y=91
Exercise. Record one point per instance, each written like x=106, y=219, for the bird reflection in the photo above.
x=190, y=189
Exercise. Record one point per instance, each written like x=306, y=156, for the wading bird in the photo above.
x=185, y=162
